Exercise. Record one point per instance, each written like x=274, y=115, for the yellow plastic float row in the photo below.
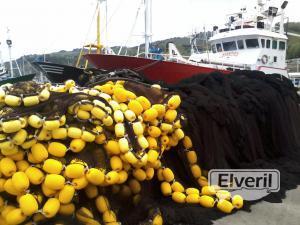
x=34, y=148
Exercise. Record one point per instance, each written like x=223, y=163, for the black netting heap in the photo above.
x=241, y=117
x=242, y=120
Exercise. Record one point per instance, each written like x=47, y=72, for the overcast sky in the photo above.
x=44, y=26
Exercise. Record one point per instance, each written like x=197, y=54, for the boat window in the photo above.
x=213, y=48
x=252, y=43
x=263, y=43
x=219, y=47
x=268, y=45
x=240, y=44
x=229, y=46
x=275, y=58
x=281, y=45
x=274, y=44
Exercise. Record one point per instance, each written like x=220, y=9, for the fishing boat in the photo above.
x=12, y=80
x=245, y=43
x=58, y=73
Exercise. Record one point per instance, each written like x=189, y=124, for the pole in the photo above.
x=9, y=44
x=20, y=73
x=206, y=43
x=281, y=28
x=10, y=62
x=23, y=64
x=98, y=29
x=106, y=24
x=148, y=23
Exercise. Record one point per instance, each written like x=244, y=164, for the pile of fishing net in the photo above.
x=246, y=119
x=241, y=117
x=124, y=150
x=243, y=120
x=84, y=151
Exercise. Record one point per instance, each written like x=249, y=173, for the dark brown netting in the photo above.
x=241, y=117
x=242, y=120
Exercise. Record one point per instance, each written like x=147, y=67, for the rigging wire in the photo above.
x=132, y=29
x=51, y=44
x=90, y=26
x=110, y=18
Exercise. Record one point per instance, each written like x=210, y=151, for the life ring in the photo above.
x=264, y=59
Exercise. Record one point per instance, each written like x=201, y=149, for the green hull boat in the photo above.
x=27, y=77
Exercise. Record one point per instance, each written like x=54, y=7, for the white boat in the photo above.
x=254, y=43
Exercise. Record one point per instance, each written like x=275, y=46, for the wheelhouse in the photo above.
x=239, y=44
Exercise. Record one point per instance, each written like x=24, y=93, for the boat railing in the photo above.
x=161, y=56
x=184, y=59
x=222, y=65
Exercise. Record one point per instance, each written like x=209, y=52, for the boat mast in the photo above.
x=9, y=44
x=98, y=27
x=283, y=6
x=106, y=22
x=148, y=25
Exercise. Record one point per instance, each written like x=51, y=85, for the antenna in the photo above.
x=284, y=4
x=260, y=2
x=148, y=24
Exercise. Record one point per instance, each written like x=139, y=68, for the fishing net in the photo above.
x=241, y=117
x=242, y=120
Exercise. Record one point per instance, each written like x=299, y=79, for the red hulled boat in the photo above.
x=155, y=70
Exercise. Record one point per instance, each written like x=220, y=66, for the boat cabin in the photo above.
x=248, y=43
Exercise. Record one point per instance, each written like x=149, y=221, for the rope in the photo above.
x=132, y=29
x=90, y=26
x=110, y=18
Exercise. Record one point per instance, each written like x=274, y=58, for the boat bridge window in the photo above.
x=274, y=44
x=229, y=46
x=219, y=47
x=252, y=43
x=213, y=48
x=268, y=45
x=296, y=81
x=240, y=44
x=281, y=45
x=263, y=43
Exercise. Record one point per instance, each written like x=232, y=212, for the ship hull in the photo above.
x=58, y=73
x=155, y=70
x=13, y=80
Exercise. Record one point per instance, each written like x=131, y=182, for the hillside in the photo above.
x=182, y=43
x=293, y=50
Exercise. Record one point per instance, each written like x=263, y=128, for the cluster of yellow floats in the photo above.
x=37, y=160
